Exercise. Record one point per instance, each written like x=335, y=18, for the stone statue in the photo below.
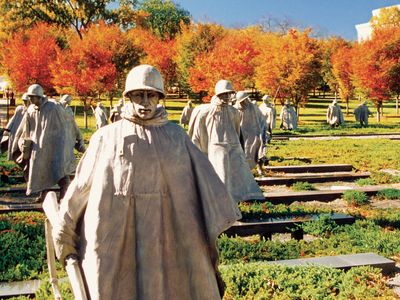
x=11, y=128
x=145, y=208
x=43, y=140
x=269, y=112
x=362, y=113
x=288, y=117
x=215, y=130
x=186, y=113
x=252, y=129
x=334, y=115
x=100, y=115
x=116, y=112
x=75, y=137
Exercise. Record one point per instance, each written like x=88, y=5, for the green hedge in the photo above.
x=261, y=281
x=22, y=246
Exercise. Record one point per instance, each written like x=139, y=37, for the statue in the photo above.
x=334, y=115
x=269, y=112
x=145, y=208
x=43, y=140
x=100, y=115
x=75, y=138
x=116, y=112
x=11, y=128
x=362, y=113
x=186, y=113
x=252, y=128
x=215, y=130
x=288, y=117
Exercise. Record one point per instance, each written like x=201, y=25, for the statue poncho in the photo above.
x=288, y=118
x=185, y=116
x=101, y=116
x=215, y=129
x=51, y=157
x=362, y=113
x=334, y=115
x=253, y=132
x=152, y=208
x=269, y=112
x=12, y=127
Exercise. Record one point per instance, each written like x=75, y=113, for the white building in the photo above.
x=364, y=31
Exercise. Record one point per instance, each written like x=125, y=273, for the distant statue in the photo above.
x=75, y=137
x=288, y=117
x=43, y=140
x=361, y=113
x=252, y=129
x=269, y=112
x=215, y=130
x=334, y=115
x=116, y=112
x=186, y=113
x=100, y=115
x=11, y=128
x=146, y=207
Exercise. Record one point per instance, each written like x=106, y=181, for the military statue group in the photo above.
x=147, y=201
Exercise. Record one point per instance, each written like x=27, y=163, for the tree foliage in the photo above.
x=387, y=17
x=288, y=65
x=163, y=18
x=26, y=57
x=231, y=59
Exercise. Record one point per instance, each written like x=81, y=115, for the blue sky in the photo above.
x=328, y=17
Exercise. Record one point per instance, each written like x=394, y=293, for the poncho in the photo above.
x=269, y=113
x=101, y=117
x=334, y=115
x=151, y=208
x=362, y=113
x=252, y=129
x=51, y=157
x=215, y=128
x=12, y=127
x=288, y=118
x=186, y=113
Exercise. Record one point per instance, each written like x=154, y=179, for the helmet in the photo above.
x=144, y=77
x=287, y=102
x=35, y=90
x=66, y=99
x=121, y=101
x=25, y=97
x=265, y=98
x=223, y=86
x=241, y=96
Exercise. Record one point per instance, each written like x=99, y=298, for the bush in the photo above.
x=355, y=198
x=23, y=246
x=303, y=186
x=384, y=178
x=365, y=181
x=388, y=194
x=322, y=226
x=264, y=281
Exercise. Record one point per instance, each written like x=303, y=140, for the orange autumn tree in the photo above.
x=375, y=63
x=231, y=59
x=26, y=57
x=342, y=70
x=156, y=52
x=288, y=65
x=84, y=68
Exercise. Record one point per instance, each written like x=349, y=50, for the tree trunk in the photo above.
x=378, y=113
x=347, y=106
x=397, y=104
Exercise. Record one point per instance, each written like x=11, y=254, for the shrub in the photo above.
x=322, y=226
x=355, y=198
x=389, y=194
x=384, y=178
x=23, y=247
x=265, y=281
x=365, y=181
x=303, y=186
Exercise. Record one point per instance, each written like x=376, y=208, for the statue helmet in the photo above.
x=25, y=97
x=35, y=90
x=265, y=98
x=287, y=102
x=223, y=86
x=241, y=96
x=144, y=77
x=66, y=99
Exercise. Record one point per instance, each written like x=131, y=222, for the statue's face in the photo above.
x=226, y=97
x=36, y=100
x=144, y=103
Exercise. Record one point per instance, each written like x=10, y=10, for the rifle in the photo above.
x=72, y=266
